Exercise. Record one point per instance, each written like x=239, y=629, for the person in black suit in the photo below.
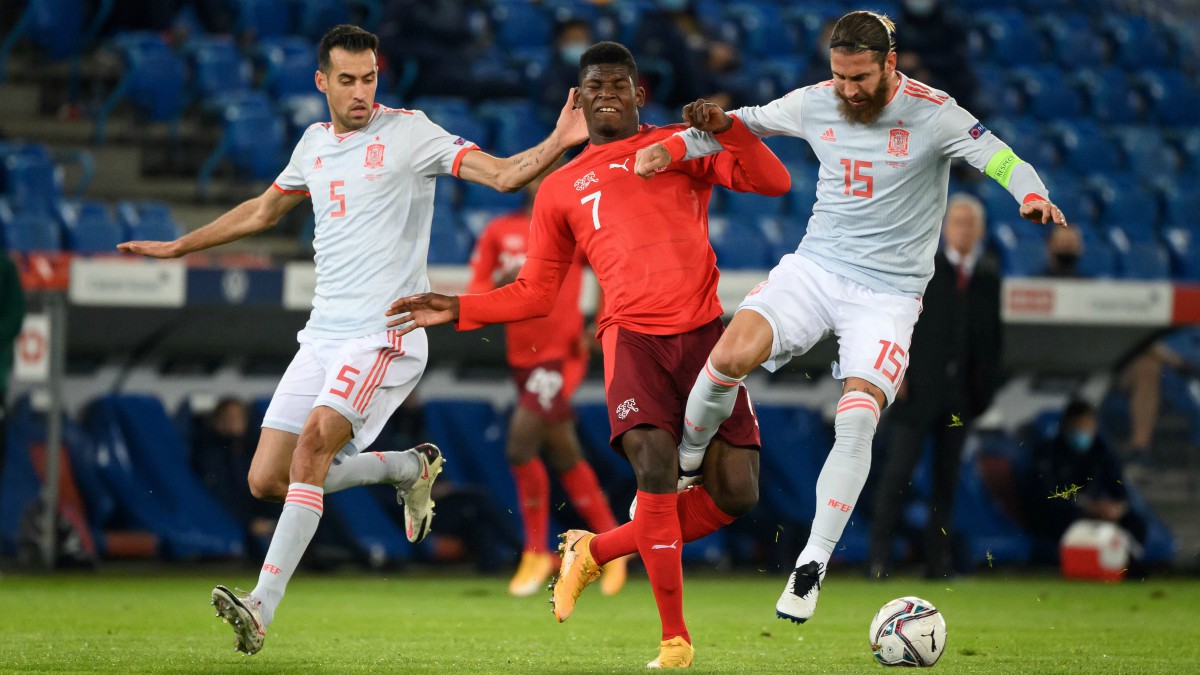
x=953, y=372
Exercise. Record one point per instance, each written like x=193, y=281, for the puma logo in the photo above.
x=621, y=165
x=658, y=546
x=932, y=640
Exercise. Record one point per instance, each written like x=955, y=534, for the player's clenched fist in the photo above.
x=651, y=159
x=421, y=311
x=706, y=116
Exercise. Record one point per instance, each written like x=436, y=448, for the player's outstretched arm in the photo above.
x=513, y=173
x=253, y=215
x=701, y=115
x=422, y=311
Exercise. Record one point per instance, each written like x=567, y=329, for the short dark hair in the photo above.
x=608, y=54
x=1077, y=408
x=864, y=31
x=351, y=38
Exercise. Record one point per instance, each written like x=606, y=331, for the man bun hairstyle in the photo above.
x=350, y=38
x=864, y=31
x=608, y=54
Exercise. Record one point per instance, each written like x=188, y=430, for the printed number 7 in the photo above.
x=594, y=198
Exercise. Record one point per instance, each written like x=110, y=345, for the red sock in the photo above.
x=586, y=496
x=533, y=500
x=609, y=546
x=660, y=544
x=698, y=515
x=698, y=518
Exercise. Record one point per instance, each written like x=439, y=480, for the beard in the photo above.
x=869, y=111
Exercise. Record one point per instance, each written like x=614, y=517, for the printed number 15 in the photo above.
x=854, y=174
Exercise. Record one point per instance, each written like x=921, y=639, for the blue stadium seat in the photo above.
x=1085, y=148
x=449, y=243
x=764, y=32
x=748, y=205
x=739, y=244
x=1138, y=43
x=521, y=24
x=1010, y=33
x=266, y=18
x=153, y=222
x=1145, y=260
x=476, y=196
x=91, y=229
x=1183, y=245
x=302, y=111
x=1021, y=246
x=986, y=532
x=154, y=80
x=290, y=64
x=1123, y=200
x=217, y=67
x=1049, y=93
x=1148, y=154
x=143, y=462
x=31, y=182
x=1111, y=98
x=1174, y=98
x=1071, y=39
x=252, y=139
x=30, y=232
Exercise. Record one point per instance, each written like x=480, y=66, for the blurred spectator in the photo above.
x=444, y=37
x=671, y=48
x=1064, y=248
x=931, y=46
x=953, y=372
x=12, y=314
x=221, y=454
x=1075, y=475
x=1142, y=378
x=571, y=40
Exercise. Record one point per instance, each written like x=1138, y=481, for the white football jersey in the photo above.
x=881, y=190
x=372, y=195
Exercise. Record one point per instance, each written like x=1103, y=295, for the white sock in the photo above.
x=301, y=515
x=844, y=474
x=709, y=404
x=371, y=468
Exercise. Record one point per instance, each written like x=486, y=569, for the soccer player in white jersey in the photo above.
x=885, y=143
x=370, y=173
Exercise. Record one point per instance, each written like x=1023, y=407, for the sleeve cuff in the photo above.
x=287, y=191
x=459, y=157
x=676, y=146
x=466, y=312
x=1034, y=197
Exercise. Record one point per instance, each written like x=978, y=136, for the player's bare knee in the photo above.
x=267, y=487
x=731, y=360
x=652, y=454
x=736, y=500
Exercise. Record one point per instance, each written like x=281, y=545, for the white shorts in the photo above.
x=804, y=303
x=365, y=379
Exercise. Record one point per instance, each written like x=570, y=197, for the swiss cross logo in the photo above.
x=627, y=406
x=587, y=180
x=374, y=158
x=898, y=143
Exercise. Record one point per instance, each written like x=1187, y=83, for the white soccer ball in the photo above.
x=909, y=632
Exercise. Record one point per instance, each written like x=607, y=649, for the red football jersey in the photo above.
x=499, y=252
x=647, y=240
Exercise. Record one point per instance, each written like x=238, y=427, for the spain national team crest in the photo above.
x=898, y=143
x=374, y=158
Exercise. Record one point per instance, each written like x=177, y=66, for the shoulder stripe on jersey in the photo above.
x=289, y=192
x=923, y=95
x=397, y=111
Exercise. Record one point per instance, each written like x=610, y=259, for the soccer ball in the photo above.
x=909, y=632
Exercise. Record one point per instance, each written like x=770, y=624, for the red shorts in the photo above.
x=647, y=379
x=546, y=389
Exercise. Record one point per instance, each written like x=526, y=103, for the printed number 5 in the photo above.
x=347, y=377
x=334, y=196
x=594, y=198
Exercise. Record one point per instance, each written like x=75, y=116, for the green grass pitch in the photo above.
x=428, y=623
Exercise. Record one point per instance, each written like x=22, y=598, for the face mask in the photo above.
x=921, y=7
x=1080, y=441
x=1066, y=261
x=570, y=52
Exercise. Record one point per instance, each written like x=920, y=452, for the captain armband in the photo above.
x=1000, y=166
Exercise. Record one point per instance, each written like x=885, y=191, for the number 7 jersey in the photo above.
x=372, y=195
x=881, y=190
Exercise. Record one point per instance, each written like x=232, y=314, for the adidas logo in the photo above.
x=828, y=136
x=317, y=164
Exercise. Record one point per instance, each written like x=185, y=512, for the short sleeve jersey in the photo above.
x=881, y=190
x=646, y=240
x=501, y=250
x=372, y=195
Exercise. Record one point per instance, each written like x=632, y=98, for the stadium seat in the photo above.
x=31, y=232
x=302, y=111
x=154, y=80
x=1111, y=98
x=266, y=18
x=747, y=206
x=153, y=222
x=986, y=532
x=1174, y=98
x=764, y=32
x=217, y=68
x=1049, y=94
x=1021, y=247
x=252, y=140
x=1071, y=38
x=519, y=24
x=290, y=64
x=741, y=245
x=1138, y=43
x=449, y=243
x=31, y=182
x=1010, y=33
x=1183, y=246
x=1099, y=259
x=141, y=458
x=90, y=229
x=1145, y=260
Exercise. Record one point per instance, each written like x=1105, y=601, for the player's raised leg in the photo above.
x=838, y=488
x=744, y=345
